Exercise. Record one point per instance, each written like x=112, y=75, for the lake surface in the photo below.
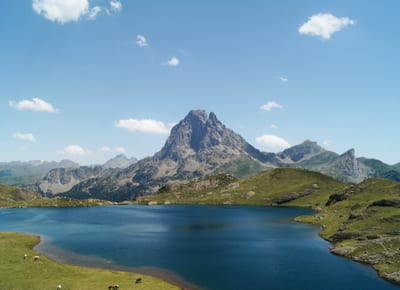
x=214, y=248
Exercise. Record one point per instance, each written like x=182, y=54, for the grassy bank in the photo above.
x=26, y=274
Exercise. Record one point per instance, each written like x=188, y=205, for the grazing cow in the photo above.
x=113, y=287
x=138, y=280
x=36, y=258
x=59, y=287
x=25, y=256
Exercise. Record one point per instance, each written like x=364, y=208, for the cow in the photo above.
x=113, y=287
x=138, y=280
x=36, y=258
x=25, y=256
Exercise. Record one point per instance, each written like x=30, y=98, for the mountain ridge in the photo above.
x=201, y=145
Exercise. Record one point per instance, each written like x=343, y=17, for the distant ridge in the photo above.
x=198, y=146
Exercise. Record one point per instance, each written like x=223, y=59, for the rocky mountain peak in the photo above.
x=301, y=152
x=199, y=132
x=349, y=154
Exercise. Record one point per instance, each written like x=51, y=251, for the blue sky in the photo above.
x=86, y=80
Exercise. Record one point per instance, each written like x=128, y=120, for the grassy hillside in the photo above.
x=282, y=186
x=27, y=274
x=361, y=221
x=17, y=197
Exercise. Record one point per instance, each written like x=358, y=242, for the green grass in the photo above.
x=12, y=197
x=265, y=189
x=26, y=274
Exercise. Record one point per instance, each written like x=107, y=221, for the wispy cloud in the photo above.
x=116, y=5
x=94, y=12
x=173, y=61
x=324, y=25
x=25, y=137
x=75, y=150
x=272, y=142
x=283, y=79
x=63, y=11
x=327, y=142
x=148, y=126
x=141, y=41
x=270, y=106
x=118, y=149
x=36, y=105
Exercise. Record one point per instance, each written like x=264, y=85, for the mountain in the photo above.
x=25, y=173
x=304, y=151
x=199, y=146
x=119, y=161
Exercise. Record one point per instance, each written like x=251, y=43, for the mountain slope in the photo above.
x=280, y=186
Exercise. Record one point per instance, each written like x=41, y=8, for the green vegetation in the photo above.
x=26, y=274
x=241, y=167
x=282, y=186
x=17, y=197
x=361, y=221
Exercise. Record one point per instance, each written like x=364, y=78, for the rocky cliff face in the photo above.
x=63, y=179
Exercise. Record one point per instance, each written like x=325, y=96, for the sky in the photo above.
x=88, y=79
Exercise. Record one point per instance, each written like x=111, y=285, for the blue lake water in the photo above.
x=215, y=248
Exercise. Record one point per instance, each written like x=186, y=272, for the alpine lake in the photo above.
x=208, y=247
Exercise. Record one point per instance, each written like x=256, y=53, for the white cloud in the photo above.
x=324, y=25
x=144, y=126
x=61, y=11
x=272, y=142
x=172, y=62
x=327, y=142
x=283, y=79
x=116, y=5
x=36, y=105
x=25, y=137
x=94, y=12
x=118, y=149
x=273, y=126
x=75, y=150
x=271, y=105
x=141, y=41
x=105, y=149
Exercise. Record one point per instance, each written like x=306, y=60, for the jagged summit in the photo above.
x=200, y=133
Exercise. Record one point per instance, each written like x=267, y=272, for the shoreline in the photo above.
x=70, y=258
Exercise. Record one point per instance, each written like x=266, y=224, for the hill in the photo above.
x=11, y=196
